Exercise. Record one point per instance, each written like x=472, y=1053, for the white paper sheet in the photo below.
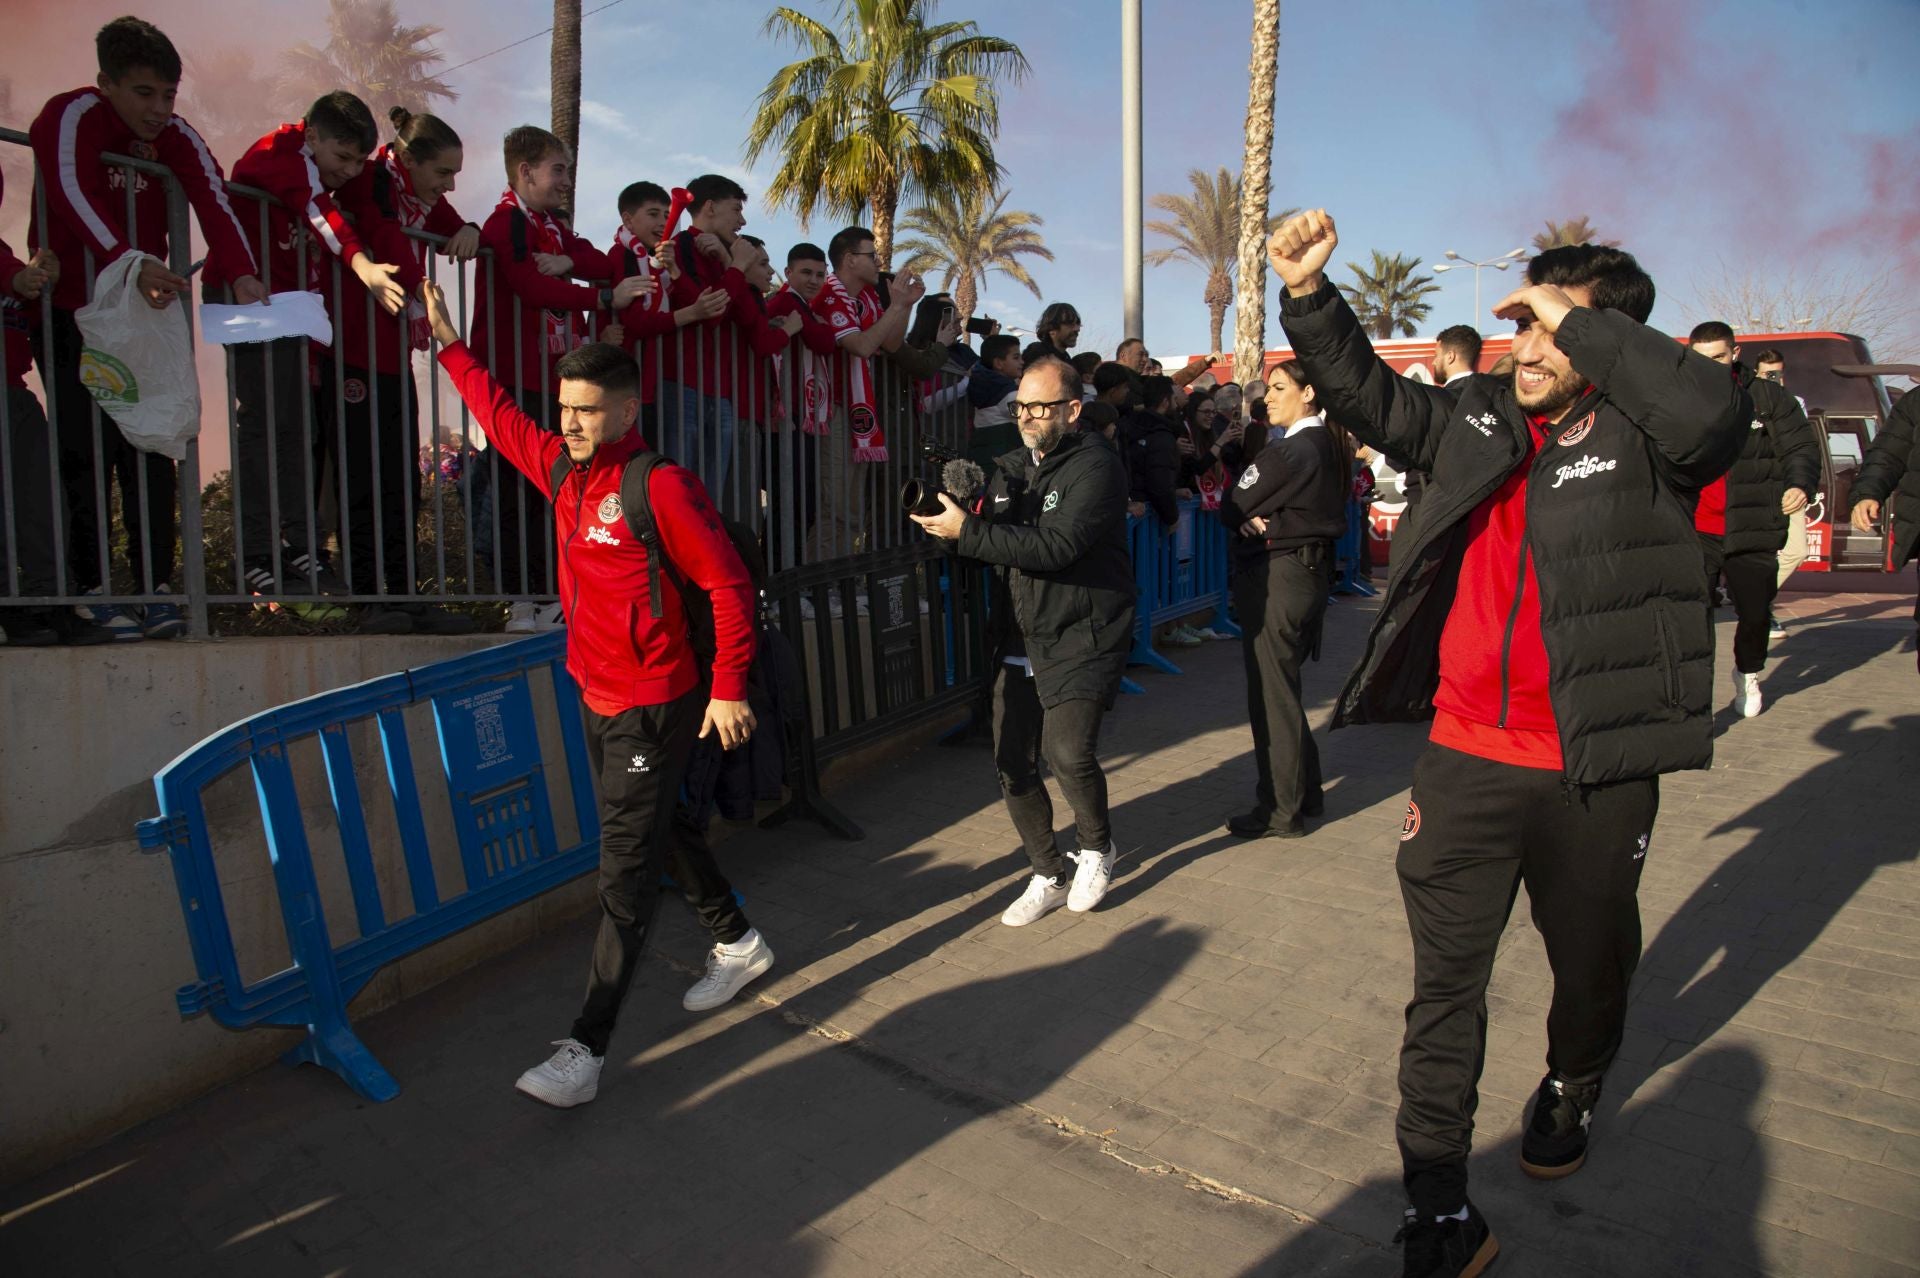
x=288, y=315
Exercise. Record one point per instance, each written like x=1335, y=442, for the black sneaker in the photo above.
x=1259, y=825
x=377, y=620
x=1445, y=1247
x=1555, y=1142
x=318, y=571
x=32, y=628
x=291, y=584
x=429, y=620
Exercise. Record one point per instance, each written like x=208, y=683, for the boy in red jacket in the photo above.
x=639, y=683
x=650, y=319
x=88, y=225
x=528, y=314
x=300, y=165
x=704, y=371
x=404, y=189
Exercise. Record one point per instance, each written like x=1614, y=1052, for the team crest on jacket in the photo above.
x=354, y=391
x=1249, y=477
x=1578, y=432
x=1053, y=499
x=1410, y=826
x=610, y=509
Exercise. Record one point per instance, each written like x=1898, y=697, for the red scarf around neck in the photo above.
x=544, y=235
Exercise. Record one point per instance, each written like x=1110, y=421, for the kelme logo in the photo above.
x=110, y=382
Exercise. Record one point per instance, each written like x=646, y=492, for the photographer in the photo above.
x=1053, y=516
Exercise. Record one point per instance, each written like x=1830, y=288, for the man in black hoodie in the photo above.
x=1054, y=519
x=1152, y=444
x=1549, y=614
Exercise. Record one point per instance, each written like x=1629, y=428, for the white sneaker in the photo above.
x=1746, y=694
x=549, y=617
x=116, y=620
x=1090, y=879
x=1209, y=633
x=1776, y=628
x=520, y=620
x=571, y=1076
x=1042, y=895
x=729, y=968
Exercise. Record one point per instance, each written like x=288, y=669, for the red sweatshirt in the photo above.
x=1492, y=700
x=512, y=274
x=1710, y=516
x=384, y=208
x=280, y=165
x=704, y=356
x=648, y=319
x=87, y=197
x=817, y=335
x=616, y=651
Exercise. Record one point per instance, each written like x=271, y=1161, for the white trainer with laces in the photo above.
x=729, y=968
x=571, y=1076
x=1090, y=879
x=1746, y=694
x=549, y=617
x=1042, y=895
x=520, y=620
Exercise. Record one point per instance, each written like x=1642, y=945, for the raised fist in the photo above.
x=1300, y=249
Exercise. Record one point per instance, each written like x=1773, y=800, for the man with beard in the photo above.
x=1054, y=518
x=1549, y=613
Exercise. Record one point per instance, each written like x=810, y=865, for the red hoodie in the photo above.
x=1492, y=700
x=648, y=319
x=618, y=653
x=87, y=196
x=280, y=165
x=1710, y=516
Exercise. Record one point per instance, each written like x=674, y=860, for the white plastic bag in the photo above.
x=137, y=362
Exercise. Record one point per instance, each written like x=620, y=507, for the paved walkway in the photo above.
x=1197, y=1079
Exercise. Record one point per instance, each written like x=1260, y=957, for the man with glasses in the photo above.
x=1053, y=517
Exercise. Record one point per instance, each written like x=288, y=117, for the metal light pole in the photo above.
x=1132, y=275
x=1455, y=262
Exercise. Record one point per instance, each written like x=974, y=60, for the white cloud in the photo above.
x=607, y=119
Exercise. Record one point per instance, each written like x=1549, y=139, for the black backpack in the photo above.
x=637, y=509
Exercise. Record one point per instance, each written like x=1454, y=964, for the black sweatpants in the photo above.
x=1752, y=581
x=640, y=756
x=520, y=553
x=27, y=501
x=279, y=432
x=148, y=517
x=1068, y=737
x=1475, y=831
x=1280, y=600
x=382, y=474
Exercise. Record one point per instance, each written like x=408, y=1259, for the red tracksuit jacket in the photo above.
x=512, y=274
x=648, y=319
x=379, y=203
x=616, y=651
x=279, y=165
x=87, y=197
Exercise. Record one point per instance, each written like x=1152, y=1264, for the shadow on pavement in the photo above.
x=1635, y=1208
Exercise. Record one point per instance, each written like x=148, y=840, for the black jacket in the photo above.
x=1298, y=485
x=1780, y=452
x=1891, y=468
x=1059, y=528
x=1151, y=444
x=1609, y=503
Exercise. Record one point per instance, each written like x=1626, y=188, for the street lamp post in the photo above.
x=1455, y=262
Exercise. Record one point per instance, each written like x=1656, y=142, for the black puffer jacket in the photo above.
x=1059, y=527
x=1152, y=454
x=1780, y=452
x=1892, y=469
x=1609, y=528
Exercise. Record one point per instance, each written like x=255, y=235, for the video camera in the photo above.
x=960, y=479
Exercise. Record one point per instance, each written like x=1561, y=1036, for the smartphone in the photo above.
x=982, y=326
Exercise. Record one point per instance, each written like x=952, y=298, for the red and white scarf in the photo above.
x=411, y=212
x=842, y=312
x=624, y=240
x=544, y=235
x=813, y=375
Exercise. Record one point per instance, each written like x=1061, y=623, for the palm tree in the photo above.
x=563, y=71
x=1205, y=231
x=1256, y=189
x=228, y=91
x=1390, y=296
x=888, y=104
x=960, y=234
x=1573, y=231
x=369, y=54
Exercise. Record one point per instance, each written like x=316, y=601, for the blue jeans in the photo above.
x=698, y=432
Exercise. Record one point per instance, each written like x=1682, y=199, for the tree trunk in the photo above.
x=1256, y=191
x=564, y=72
x=886, y=201
x=966, y=294
x=1216, y=321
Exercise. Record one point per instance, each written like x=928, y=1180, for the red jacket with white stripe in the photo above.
x=280, y=165
x=383, y=209
x=87, y=197
x=512, y=275
x=617, y=651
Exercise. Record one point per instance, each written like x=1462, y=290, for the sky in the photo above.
x=1711, y=137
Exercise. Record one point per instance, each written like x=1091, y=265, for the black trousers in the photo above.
x=280, y=431
x=1752, y=581
x=375, y=453
x=148, y=518
x=1475, y=831
x=1280, y=600
x=640, y=756
x=27, y=500
x=518, y=553
x=1068, y=737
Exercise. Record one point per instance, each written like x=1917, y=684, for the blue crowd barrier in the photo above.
x=496, y=790
x=1346, y=554
x=1178, y=571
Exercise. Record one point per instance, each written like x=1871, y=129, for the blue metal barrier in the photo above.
x=496, y=789
x=1346, y=554
x=1178, y=572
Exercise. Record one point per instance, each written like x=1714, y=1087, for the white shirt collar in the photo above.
x=1305, y=423
x=1456, y=377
